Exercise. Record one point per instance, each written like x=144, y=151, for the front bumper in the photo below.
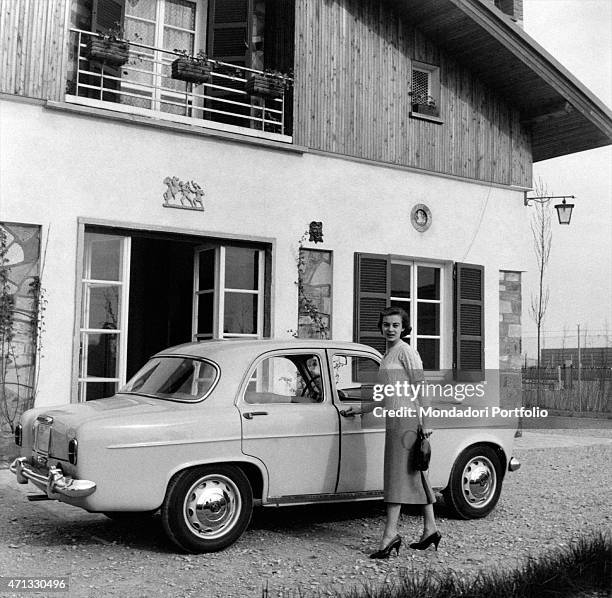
x=514, y=464
x=55, y=484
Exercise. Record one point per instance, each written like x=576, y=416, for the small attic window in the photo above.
x=420, y=83
x=425, y=89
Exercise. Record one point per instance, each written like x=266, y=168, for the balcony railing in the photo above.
x=144, y=86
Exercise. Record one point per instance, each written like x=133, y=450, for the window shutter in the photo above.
x=106, y=14
x=372, y=282
x=469, y=322
x=279, y=44
x=229, y=31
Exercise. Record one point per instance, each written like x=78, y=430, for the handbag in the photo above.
x=421, y=451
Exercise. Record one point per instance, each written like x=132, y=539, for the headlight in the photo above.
x=72, y=451
x=18, y=435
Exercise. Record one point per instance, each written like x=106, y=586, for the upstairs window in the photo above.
x=425, y=89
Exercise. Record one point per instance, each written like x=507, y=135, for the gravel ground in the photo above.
x=560, y=493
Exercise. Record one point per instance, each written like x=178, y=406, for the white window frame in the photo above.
x=121, y=332
x=445, y=310
x=219, y=295
x=160, y=58
x=433, y=84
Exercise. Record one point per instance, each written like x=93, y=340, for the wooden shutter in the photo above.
x=372, y=291
x=229, y=31
x=279, y=43
x=106, y=14
x=469, y=322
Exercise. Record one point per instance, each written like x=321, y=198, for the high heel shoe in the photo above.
x=386, y=551
x=431, y=539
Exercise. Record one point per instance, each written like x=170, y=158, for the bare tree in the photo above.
x=542, y=239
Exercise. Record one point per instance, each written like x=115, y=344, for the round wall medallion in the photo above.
x=420, y=217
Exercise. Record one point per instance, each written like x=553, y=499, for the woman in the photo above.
x=402, y=484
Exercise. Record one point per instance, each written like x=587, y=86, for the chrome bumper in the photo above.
x=54, y=484
x=514, y=464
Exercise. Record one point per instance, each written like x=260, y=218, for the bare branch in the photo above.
x=541, y=233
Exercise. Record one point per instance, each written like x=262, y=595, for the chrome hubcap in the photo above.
x=212, y=506
x=479, y=481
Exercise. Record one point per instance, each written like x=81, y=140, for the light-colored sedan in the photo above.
x=206, y=431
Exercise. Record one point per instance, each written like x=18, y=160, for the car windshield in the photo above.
x=174, y=378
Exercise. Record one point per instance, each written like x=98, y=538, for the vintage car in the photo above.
x=206, y=431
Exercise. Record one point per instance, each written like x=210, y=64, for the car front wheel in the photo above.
x=207, y=508
x=475, y=483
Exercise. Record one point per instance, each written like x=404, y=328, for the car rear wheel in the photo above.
x=207, y=508
x=475, y=483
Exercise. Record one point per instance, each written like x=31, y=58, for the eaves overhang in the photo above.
x=563, y=115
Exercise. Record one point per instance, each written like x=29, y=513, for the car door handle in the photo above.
x=251, y=414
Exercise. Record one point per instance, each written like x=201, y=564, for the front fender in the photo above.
x=447, y=444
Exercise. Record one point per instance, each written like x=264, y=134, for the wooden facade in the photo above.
x=33, y=48
x=353, y=70
x=352, y=62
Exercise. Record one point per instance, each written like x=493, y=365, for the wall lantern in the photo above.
x=564, y=209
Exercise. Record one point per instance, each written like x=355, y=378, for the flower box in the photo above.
x=425, y=109
x=113, y=52
x=191, y=70
x=263, y=86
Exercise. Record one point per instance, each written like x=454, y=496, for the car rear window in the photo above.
x=174, y=378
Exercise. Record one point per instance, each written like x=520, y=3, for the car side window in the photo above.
x=354, y=377
x=286, y=379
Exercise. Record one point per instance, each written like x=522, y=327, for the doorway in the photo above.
x=143, y=292
x=161, y=281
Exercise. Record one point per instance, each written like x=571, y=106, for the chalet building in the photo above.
x=324, y=159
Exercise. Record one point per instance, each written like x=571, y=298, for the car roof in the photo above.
x=211, y=348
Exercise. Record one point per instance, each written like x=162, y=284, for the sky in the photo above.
x=578, y=33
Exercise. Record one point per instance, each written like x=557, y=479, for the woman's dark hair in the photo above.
x=396, y=311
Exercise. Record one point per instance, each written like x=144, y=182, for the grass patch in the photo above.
x=582, y=569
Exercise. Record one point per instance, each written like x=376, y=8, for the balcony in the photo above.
x=144, y=86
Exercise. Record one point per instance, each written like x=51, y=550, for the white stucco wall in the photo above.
x=57, y=167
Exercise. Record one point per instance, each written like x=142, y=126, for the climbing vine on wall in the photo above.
x=312, y=322
x=22, y=308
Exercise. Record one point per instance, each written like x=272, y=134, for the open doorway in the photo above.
x=145, y=291
x=160, y=302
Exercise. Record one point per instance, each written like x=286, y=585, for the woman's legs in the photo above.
x=393, y=513
x=429, y=521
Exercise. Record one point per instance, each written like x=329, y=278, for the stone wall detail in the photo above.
x=510, y=344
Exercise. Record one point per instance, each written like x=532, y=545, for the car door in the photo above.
x=290, y=423
x=362, y=437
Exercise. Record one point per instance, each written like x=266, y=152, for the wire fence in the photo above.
x=590, y=348
x=575, y=372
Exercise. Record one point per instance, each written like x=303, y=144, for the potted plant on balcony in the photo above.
x=193, y=69
x=424, y=104
x=269, y=84
x=109, y=47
